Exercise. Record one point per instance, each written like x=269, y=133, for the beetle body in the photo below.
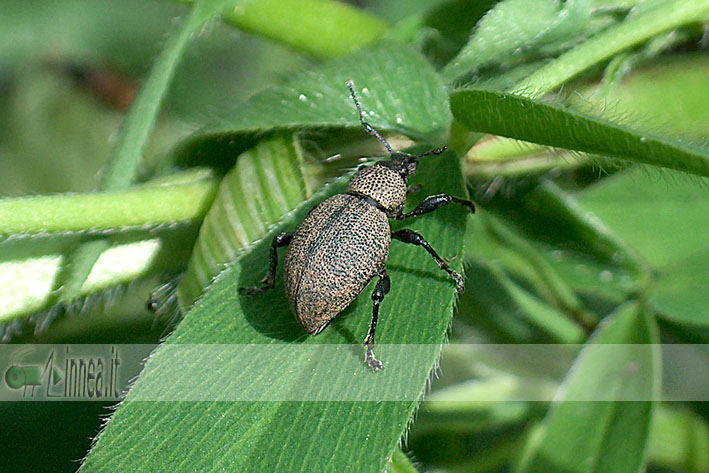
x=344, y=242
x=335, y=253
x=341, y=245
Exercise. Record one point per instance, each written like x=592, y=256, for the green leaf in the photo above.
x=287, y=431
x=602, y=419
x=400, y=463
x=540, y=314
x=635, y=30
x=525, y=119
x=514, y=26
x=682, y=109
x=398, y=89
x=266, y=183
x=666, y=222
x=679, y=440
x=447, y=26
x=29, y=267
x=141, y=226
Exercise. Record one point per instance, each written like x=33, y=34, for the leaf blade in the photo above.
x=318, y=434
x=602, y=422
x=521, y=118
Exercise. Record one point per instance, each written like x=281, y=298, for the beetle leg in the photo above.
x=269, y=281
x=434, y=202
x=410, y=236
x=381, y=289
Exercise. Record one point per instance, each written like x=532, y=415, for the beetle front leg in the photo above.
x=434, y=202
x=410, y=236
x=381, y=289
x=269, y=281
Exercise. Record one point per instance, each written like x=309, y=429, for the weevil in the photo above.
x=344, y=242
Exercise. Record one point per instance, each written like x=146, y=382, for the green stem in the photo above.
x=141, y=206
x=627, y=34
x=133, y=136
x=321, y=28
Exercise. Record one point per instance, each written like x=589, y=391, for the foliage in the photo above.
x=586, y=251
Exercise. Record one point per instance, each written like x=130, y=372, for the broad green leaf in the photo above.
x=665, y=219
x=681, y=110
x=601, y=420
x=286, y=432
x=452, y=21
x=399, y=91
x=537, y=312
x=514, y=26
x=29, y=268
x=266, y=183
x=544, y=237
x=539, y=272
x=521, y=118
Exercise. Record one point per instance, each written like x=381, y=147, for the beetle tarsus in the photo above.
x=372, y=362
x=253, y=290
x=459, y=281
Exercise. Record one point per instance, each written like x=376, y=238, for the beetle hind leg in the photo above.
x=269, y=281
x=410, y=236
x=381, y=290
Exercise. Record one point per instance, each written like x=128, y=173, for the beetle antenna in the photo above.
x=435, y=151
x=367, y=127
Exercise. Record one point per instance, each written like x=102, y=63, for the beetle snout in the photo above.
x=412, y=164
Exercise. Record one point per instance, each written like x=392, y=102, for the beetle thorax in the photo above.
x=381, y=184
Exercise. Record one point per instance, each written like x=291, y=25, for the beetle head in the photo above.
x=406, y=164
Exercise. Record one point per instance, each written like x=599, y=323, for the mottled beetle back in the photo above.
x=340, y=246
x=382, y=184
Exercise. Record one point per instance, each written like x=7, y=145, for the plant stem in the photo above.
x=604, y=45
x=140, y=206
